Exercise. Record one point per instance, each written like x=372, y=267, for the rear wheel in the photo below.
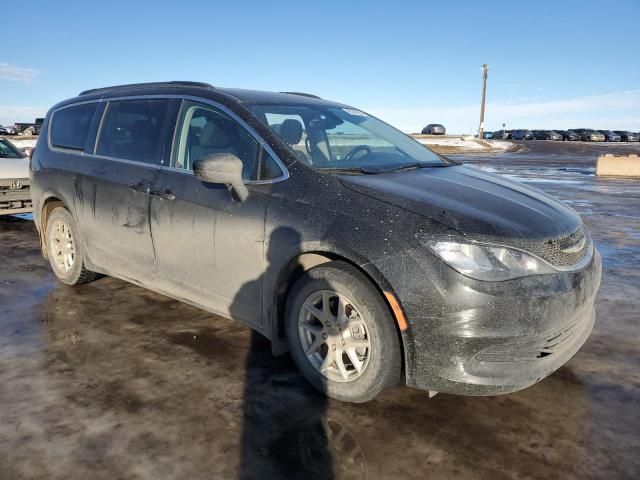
x=341, y=334
x=65, y=251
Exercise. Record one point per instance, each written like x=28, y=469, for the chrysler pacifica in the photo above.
x=367, y=256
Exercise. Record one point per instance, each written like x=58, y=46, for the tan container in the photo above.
x=618, y=166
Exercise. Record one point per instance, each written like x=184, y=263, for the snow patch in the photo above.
x=464, y=144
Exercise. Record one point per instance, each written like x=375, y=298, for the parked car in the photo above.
x=6, y=130
x=546, y=135
x=626, y=136
x=569, y=135
x=589, y=135
x=29, y=128
x=14, y=180
x=487, y=135
x=339, y=238
x=610, y=136
x=502, y=135
x=434, y=129
x=522, y=135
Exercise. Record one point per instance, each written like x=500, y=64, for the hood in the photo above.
x=471, y=201
x=14, y=168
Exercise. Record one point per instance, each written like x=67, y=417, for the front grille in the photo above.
x=532, y=349
x=561, y=251
x=14, y=185
x=14, y=195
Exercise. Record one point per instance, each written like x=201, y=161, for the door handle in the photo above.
x=140, y=188
x=165, y=195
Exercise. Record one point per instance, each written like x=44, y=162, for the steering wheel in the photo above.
x=355, y=150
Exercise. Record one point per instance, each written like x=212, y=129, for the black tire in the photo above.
x=384, y=365
x=77, y=274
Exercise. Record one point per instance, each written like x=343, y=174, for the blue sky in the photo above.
x=553, y=64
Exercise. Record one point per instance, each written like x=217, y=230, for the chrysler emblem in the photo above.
x=15, y=185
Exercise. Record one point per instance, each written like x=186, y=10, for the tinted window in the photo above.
x=204, y=130
x=70, y=126
x=132, y=130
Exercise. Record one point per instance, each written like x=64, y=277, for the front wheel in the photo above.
x=341, y=334
x=65, y=252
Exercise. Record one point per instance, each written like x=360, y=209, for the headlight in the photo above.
x=488, y=262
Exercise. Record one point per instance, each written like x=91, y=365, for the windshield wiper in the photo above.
x=346, y=170
x=372, y=170
x=406, y=166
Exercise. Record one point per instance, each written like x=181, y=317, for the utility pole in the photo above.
x=485, y=72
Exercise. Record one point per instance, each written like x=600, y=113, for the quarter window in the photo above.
x=70, y=126
x=204, y=130
x=133, y=130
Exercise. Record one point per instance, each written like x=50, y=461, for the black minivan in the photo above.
x=342, y=240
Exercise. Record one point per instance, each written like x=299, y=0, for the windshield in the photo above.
x=328, y=137
x=9, y=151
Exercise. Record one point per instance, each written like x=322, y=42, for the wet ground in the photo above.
x=111, y=381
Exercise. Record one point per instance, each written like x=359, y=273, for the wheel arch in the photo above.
x=49, y=204
x=302, y=262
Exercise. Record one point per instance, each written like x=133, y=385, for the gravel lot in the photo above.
x=111, y=381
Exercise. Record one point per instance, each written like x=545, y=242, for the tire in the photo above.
x=367, y=331
x=64, y=249
x=27, y=132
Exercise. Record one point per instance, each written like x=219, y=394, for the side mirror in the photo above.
x=222, y=168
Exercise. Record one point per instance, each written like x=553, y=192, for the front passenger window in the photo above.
x=204, y=130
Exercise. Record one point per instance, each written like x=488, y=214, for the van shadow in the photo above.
x=284, y=433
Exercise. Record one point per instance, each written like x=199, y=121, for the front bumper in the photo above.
x=15, y=197
x=487, y=338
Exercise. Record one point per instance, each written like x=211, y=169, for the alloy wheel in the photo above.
x=62, y=246
x=334, y=336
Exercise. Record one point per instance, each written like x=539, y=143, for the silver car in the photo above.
x=6, y=130
x=14, y=180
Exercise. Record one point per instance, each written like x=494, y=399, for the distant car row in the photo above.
x=575, y=134
x=22, y=128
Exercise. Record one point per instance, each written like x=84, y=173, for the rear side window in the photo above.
x=70, y=126
x=133, y=130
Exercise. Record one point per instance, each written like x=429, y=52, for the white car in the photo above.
x=8, y=130
x=14, y=180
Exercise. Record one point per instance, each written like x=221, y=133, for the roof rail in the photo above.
x=147, y=85
x=302, y=94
